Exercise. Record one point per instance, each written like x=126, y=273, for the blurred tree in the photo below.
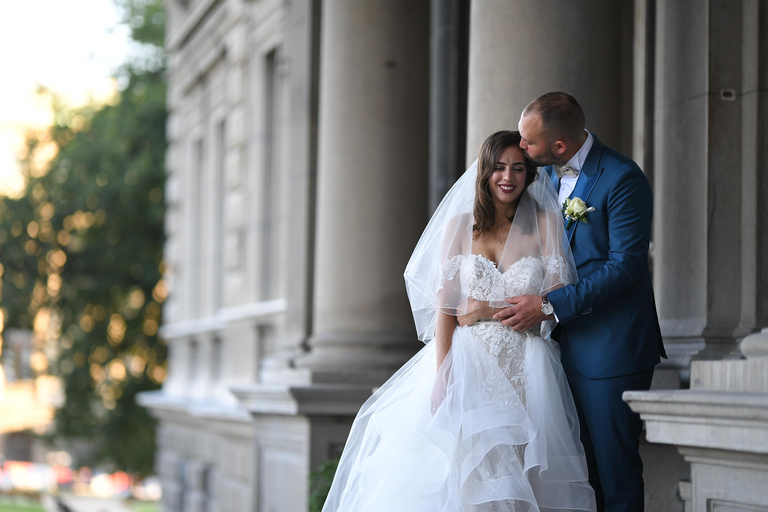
x=82, y=250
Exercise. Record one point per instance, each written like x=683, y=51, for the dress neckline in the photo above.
x=495, y=265
x=486, y=258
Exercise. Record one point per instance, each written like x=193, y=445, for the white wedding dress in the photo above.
x=504, y=438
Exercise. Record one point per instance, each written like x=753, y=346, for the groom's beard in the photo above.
x=544, y=160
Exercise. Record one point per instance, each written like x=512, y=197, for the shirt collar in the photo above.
x=577, y=160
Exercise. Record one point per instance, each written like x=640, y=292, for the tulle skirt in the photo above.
x=466, y=438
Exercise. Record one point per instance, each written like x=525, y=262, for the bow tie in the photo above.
x=565, y=170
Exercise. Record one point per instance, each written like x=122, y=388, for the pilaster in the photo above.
x=705, y=231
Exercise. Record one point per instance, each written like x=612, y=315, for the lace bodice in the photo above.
x=481, y=280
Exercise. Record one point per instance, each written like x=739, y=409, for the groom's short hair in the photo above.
x=560, y=114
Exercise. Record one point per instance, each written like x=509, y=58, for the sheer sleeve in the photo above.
x=555, y=252
x=432, y=276
x=556, y=257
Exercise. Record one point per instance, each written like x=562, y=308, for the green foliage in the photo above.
x=82, y=251
x=146, y=19
x=21, y=507
x=143, y=506
x=20, y=503
x=17, y=258
x=320, y=483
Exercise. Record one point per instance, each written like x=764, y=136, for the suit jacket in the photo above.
x=608, y=317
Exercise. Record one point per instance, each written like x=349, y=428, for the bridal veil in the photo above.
x=537, y=232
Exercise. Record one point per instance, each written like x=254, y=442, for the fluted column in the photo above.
x=707, y=140
x=520, y=50
x=372, y=200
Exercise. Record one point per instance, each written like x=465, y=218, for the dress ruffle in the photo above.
x=488, y=445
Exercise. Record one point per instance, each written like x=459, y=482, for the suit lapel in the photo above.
x=588, y=177
x=553, y=176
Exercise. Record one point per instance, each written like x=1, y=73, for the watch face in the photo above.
x=547, y=309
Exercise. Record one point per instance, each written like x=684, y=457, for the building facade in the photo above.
x=309, y=141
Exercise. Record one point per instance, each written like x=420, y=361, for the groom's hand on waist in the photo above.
x=523, y=314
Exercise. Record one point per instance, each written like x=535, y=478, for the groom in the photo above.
x=608, y=329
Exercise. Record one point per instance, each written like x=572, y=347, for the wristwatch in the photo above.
x=546, y=306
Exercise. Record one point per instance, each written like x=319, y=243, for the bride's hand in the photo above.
x=438, y=392
x=476, y=311
x=440, y=388
x=467, y=319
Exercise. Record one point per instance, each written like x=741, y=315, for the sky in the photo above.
x=71, y=47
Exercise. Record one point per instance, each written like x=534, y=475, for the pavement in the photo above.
x=72, y=503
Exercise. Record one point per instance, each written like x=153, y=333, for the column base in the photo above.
x=683, y=350
x=356, y=357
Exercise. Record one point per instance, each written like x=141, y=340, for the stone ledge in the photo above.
x=304, y=377
x=725, y=458
x=322, y=399
x=709, y=419
x=252, y=312
x=171, y=408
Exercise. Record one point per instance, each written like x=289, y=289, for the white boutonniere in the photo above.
x=576, y=210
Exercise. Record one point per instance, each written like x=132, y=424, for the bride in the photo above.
x=481, y=419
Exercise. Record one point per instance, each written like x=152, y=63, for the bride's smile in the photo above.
x=508, y=179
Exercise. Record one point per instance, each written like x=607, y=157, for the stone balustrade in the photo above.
x=720, y=426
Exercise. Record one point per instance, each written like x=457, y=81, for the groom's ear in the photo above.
x=559, y=147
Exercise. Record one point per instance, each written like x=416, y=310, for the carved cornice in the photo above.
x=197, y=14
x=229, y=419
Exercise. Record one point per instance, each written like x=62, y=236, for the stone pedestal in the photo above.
x=296, y=429
x=720, y=426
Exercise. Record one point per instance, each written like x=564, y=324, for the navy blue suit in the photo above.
x=609, y=331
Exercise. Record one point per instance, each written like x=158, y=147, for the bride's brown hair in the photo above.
x=490, y=154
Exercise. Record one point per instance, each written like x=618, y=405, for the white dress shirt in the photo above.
x=568, y=183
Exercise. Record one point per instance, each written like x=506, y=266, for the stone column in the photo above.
x=520, y=50
x=706, y=176
x=372, y=200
